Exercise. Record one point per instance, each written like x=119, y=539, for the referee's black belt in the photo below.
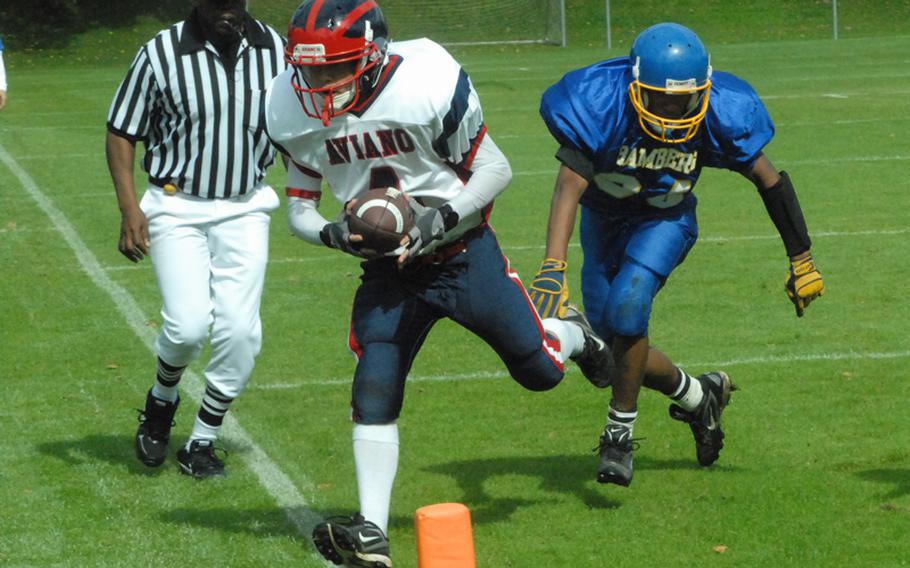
x=161, y=182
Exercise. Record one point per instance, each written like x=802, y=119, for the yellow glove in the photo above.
x=804, y=283
x=548, y=291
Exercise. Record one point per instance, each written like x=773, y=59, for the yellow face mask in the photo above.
x=686, y=102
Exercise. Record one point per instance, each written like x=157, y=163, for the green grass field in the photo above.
x=816, y=471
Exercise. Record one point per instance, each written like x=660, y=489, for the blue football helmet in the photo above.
x=671, y=82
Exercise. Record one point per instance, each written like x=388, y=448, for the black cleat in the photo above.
x=200, y=460
x=596, y=360
x=352, y=541
x=616, y=445
x=154, y=432
x=705, y=419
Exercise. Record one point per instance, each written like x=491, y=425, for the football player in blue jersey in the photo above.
x=634, y=134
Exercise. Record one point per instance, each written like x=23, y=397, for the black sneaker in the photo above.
x=705, y=419
x=200, y=460
x=596, y=359
x=616, y=445
x=353, y=541
x=154, y=432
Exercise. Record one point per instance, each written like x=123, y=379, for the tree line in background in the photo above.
x=35, y=24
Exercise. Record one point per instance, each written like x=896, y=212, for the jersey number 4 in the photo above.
x=384, y=176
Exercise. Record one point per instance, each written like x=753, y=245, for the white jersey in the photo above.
x=2, y=68
x=418, y=131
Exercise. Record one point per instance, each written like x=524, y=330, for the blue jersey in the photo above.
x=589, y=111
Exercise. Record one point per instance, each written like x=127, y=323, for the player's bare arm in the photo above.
x=804, y=282
x=548, y=291
x=563, y=209
x=134, y=236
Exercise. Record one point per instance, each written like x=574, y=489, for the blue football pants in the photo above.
x=626, y=262
x=394, y=310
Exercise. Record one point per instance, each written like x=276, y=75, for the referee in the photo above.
x=194, y=96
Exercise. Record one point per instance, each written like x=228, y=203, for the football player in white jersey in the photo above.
x=357, y=112
x=2, y=78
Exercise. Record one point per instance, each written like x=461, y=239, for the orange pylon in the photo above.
x=444, y=536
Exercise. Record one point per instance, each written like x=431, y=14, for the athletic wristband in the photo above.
x=450, y=217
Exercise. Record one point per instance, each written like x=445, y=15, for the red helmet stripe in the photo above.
x=314, y=13
x=355, y=15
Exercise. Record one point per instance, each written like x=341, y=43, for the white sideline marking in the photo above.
x=491, y=375
x=275, y=481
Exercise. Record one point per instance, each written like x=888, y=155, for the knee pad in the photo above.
x=376, y=400
x=374, y=411
x=631, y=298
x=538, y=372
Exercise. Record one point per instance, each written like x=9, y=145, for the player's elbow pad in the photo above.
x=505, y=173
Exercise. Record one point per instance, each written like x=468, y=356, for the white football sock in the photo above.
x=689, y=393
x=571, y=338
x=202, y=431
x=619, y=418
x=376, y=462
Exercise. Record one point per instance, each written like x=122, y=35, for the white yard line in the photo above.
x=307, y=257
x=74, y=156
x=782, y=124
x=525, y=173
x=54, y=127
x=496, y=375
x=728, y=239
x=270, y=476
x=809, y=162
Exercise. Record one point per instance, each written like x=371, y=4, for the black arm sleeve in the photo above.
x=576, y=161
x=783, y=208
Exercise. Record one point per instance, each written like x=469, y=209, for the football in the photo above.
x=382, y=216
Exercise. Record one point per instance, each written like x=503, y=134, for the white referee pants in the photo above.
x=209, y=257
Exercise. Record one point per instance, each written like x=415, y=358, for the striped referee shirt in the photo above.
x=201, y=119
